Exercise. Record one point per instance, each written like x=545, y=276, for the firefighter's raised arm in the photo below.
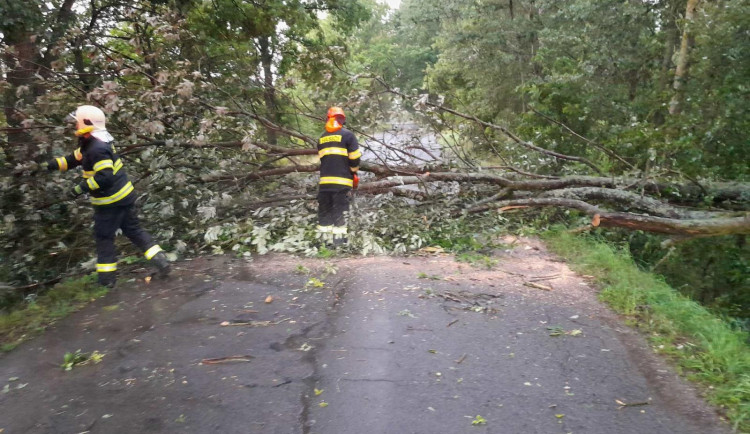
x=64, y=163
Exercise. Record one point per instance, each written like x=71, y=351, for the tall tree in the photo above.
x=274, y=32
x=31, y=30
x=683, y=59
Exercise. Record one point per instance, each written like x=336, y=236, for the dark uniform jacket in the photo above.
x=105, y=180
x=339, y=158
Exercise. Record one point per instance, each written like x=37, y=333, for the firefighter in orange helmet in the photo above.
x=339, y=155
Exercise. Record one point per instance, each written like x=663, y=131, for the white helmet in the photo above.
x=94, y=116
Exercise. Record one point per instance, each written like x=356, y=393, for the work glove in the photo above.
x=355, y=179
x=76, y=191
x=38, y=167
x=49, y=165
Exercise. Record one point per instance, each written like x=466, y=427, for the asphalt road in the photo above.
x=418, y=344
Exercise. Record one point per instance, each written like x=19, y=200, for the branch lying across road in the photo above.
x=688, y=227
x=633, y=201
x=589, y=194
x=262, y=173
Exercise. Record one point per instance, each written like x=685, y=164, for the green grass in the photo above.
x=429, y=276
x=33, y=317
x=477, y=259
x=711, y=353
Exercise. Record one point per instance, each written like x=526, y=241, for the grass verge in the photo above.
x=705, y=348
x=24, y=323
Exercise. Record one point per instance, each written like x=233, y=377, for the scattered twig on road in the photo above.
x=451, y=297
x=283, y=383
x=512, y=273
x=452, y=322
x=418, y=329
x=461, y=359
x=540, y=278
x=228, y=359
x=632, y=404
x=538, y=286
x=253, y=323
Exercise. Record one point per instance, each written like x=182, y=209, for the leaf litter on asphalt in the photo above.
x=77, y=358
x=479, y=420
x=559, y=331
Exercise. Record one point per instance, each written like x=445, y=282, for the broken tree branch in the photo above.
x=634, y=201
x=688, y=227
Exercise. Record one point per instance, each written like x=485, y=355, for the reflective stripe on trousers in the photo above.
x=106, y=268
x=150, y=253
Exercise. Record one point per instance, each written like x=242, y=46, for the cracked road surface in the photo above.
x=419, y=344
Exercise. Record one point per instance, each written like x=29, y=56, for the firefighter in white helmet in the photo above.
x=111, y=194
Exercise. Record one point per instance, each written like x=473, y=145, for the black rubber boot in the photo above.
x=108, y=279
x=162, y=264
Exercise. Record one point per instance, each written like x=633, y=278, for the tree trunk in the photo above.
x=680, y=75
x=689, y=228
x=80, y=67
x=633, y=78
x=670, y=40
x=20, y=60
x=671, y=36
x=269, y=93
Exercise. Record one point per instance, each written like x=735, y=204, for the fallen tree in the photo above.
x=199, y=153
x=613, y=200
x=647, y=204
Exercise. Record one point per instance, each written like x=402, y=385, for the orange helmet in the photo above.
x=336, y=111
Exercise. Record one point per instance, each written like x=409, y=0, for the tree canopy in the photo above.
x=622, y=114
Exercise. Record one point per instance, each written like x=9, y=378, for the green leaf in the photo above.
x=479, y=420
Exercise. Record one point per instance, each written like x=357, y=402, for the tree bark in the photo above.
x=20, y=60
x=633, y=201
x=670, y=40
x=689, y=228
x=269, y=92
x=680, y=75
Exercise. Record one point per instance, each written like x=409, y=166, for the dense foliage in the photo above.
x=204, y=98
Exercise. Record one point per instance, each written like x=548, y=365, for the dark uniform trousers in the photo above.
x=331, y=207
x=107, y=220
x=339, y=158
x=106, y=181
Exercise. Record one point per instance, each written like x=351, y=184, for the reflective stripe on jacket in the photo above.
x=339, y=155
x=105, y=180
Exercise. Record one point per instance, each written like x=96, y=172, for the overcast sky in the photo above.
x=392, y=3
